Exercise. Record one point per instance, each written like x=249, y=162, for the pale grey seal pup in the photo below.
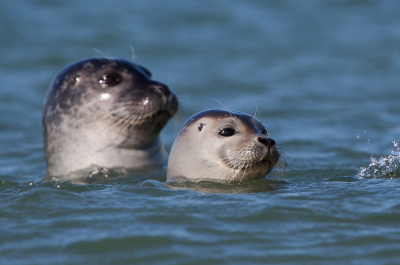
x=222, y=145
x=105, y=113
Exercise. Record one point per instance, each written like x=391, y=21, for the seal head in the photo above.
x=222, y=145
x=107, y=113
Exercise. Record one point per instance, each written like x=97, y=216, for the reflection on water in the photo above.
x=105, y=175
x=234, y=187
x=118, y=175
x=137, y=180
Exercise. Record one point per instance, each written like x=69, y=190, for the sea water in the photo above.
x=322, y=76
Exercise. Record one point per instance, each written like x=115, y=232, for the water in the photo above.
x=323, y=77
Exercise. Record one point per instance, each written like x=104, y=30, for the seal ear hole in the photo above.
x=111, y=79
x=226, y=132
x=201, y=126
x=72, y=80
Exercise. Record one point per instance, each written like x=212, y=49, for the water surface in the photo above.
x=322, y=76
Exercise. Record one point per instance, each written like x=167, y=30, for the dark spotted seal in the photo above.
x=222, y=145
x=105, y=113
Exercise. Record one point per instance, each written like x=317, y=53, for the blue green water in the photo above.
x=324, y=77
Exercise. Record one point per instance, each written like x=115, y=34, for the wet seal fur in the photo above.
x=105, y=113
x=221, y=145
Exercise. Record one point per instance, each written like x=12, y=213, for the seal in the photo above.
x=222, y=145
x=105, y=113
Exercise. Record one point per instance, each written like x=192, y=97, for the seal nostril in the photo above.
x=163, y=89
x=266, y=141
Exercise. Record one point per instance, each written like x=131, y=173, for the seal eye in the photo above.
x=107, y=80
x=227, y=132
x=264, y=132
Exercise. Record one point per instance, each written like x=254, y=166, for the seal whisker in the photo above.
x=238, y=168
x=123, y=122
x=279, y=170
x=101, y=53
x=228, y=110
x=133, y=52
x=236, y=172
x=255, y=113
x=226, y=175
x=120, y=122
x=243, y=175
x=116, y=112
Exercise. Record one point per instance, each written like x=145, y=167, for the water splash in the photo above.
x=384, y=167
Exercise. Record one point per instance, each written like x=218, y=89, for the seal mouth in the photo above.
x=246, y=165
x=164, y=111
x=244, y=160
x=153, y=116
x=144, y=108
x=135, y=118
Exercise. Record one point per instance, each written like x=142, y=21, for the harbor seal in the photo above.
x=105, y=113
x=222, y=145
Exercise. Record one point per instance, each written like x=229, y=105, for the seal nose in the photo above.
x=266, y=141
x=163, y=89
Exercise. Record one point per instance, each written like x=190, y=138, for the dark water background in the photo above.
x=324, y=76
